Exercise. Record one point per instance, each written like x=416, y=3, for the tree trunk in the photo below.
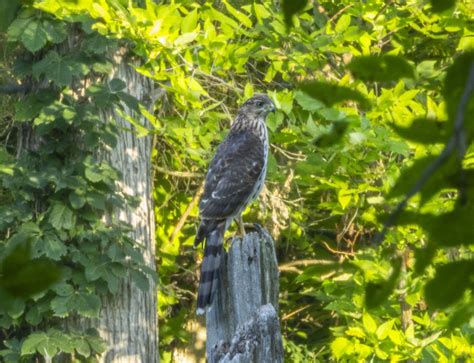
x=128, y=319
x=242, y=324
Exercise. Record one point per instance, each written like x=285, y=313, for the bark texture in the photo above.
x=242, y=324
x=128, y=320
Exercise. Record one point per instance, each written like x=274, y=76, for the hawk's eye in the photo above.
x=259, y=104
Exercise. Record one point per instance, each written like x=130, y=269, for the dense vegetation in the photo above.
x=375, y=265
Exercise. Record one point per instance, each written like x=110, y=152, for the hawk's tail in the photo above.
x=210, y=266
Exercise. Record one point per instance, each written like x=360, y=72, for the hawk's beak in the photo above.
x=271, y=108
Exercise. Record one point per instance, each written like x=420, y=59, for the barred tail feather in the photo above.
x=210, y=268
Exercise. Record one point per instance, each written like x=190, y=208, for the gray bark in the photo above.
x=242, y=324
x=128, y=320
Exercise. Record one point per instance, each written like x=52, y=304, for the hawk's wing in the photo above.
x=232, y=175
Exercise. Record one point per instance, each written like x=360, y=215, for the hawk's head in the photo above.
x=258, y=106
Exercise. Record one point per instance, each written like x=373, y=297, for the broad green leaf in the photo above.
x=385, y=68
x=291, y=8
x=31, y=105
x=369, y=323
x=383, y=329
x=87, y=305
x=331, y=94
x=343, y=23
x=8, y=9
x=449, y=284
x=61, y=217
x=50, y=246
x=55, y=31
x=308, y=103
x=77, y=200
x=18, y=26
x=82, y=346
x=34, y=36
x=33, y=341
x=241, y=17
x=58, y=68
x=116, y=85
x=61, y=305
x=189, y=22
x=341, y=346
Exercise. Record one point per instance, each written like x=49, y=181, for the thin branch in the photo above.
x=179, y=174
x=308, y=262
x=457, y=140
x=289, y=315
x=186, y=213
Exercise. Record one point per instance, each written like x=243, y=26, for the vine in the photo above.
x=58, y=254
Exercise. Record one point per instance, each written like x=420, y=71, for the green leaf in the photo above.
x=82, y=346
x=449, y=284
x=307, y=103
x=383, y=330
x=34, y=37
x=140, y=279
x=386, y=68
x=31, y=105
x=423, y=131
x=31, y=343
x=76, y=200
x=341, y=347
x=61, y=217
x=55, y=31
x=50, y=246
x=441, y=5
x=57, y=68
x=369, y=323
x=61, y=305
x=116, y=85
x=8, y=9
x=343, y=23
x=290, y=8
x=376, y=293
x=189, y=22
x=87, y=305
x=331, y=94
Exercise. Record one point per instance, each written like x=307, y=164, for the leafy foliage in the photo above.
x=344, y=151
x=57, y=255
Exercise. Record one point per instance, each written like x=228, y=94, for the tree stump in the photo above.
x=242, y=324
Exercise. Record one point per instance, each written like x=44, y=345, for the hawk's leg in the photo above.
x=240, y=224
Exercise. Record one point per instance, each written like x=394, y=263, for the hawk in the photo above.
x=235, y=178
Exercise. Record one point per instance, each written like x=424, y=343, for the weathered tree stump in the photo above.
x=242, y=324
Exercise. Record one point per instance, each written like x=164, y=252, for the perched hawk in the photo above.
x=235, y=178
